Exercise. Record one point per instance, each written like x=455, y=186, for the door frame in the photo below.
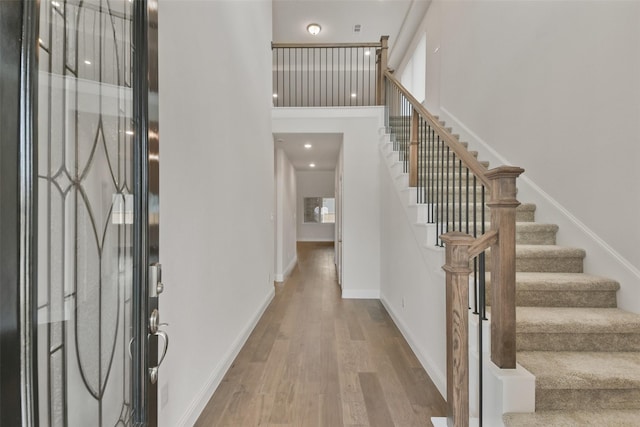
x=19, y=29
x=19, y=22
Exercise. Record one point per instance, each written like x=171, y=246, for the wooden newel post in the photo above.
x=381, y=67
x=457, y=270
x=503, y=204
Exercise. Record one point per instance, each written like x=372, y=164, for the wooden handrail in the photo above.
x=278, y=45
x=462, y=248
x=474, y=166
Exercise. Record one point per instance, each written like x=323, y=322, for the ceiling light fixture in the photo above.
x=367, y=52
x=129, y=132
x=275, y=95
x=314, y=29
x=353, y=95
x=86, y=61
x=312, y=165
x=307, y=146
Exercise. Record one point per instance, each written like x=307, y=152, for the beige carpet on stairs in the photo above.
x=582, y=349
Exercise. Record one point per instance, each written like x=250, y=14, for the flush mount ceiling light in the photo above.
x=314, y=29
x=312, y=165
x=275, y=95
x=307, y=146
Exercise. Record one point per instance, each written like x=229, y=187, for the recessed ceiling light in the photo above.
x=307, y=146
x=86, y=61
x=129, y=132
x=367, y=52
x=353, y=95
x=275, y=95
x=314, y=29
x=312, y=165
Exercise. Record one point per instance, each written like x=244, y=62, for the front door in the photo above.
x=95, y=279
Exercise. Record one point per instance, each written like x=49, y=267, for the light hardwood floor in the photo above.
x=315, y=359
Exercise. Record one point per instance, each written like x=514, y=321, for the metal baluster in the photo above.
x=446, y=229
x=441, y=191
x=460, y=195
x=277, y=52
x=453, y=189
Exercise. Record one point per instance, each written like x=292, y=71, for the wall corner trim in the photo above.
x=281, y=277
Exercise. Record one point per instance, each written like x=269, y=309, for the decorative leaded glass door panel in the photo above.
x=89, y=309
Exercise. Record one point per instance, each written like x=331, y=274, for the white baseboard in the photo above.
x=215, y=378
x=360, y=293
x=438, y=377
x=281, y=277
x=602, y=259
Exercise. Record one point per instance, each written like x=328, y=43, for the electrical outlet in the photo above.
x=164, y=396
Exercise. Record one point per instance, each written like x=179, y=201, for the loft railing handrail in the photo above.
x=329, y=74
x=469, y=161
x=280, y=45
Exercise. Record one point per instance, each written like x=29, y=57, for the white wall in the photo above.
x=285, y=216
x=361, y=197
x=216, y=233
x=552, y=87
x=314, y=184
x=412, y=286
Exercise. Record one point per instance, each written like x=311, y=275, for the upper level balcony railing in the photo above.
x=328, y=74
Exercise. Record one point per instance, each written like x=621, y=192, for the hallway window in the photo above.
x=319, y=210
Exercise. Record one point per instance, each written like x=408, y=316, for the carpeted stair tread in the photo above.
x=583, y=370
x=576, y=320
x=601, y=418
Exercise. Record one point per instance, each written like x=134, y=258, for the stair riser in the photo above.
x=587, y=399
x=546, y=265
x=541, y=237
x=604, y=299
x=550, y=265
x=577, y=342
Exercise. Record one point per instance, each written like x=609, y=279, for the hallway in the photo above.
x=315, y=359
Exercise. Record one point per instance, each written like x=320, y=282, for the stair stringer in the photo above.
x=505, y=390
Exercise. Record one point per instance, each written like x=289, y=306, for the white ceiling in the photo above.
x=324, y=150
x=399, y=19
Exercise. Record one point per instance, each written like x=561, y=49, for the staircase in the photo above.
x=582, y=349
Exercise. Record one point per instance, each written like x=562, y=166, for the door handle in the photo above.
x=153, y=372
x=154, y=329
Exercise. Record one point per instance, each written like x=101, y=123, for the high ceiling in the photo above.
x=398, y=19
